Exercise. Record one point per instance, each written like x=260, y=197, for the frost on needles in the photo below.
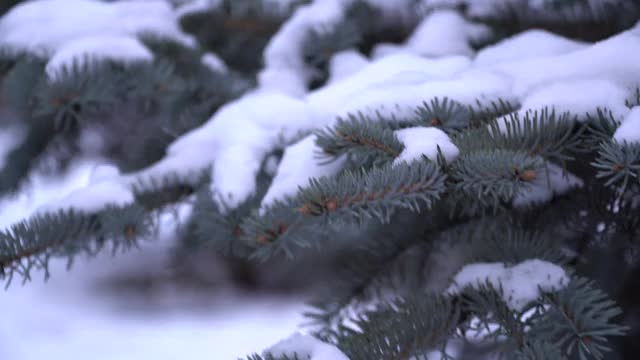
x=468, y=168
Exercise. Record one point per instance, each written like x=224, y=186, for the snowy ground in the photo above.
x=69, y=317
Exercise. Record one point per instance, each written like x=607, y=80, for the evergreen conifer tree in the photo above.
x=462, y=219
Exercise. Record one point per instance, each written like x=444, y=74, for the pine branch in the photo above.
x=579, y=319
x=487, y=306
x=539, y=350
x=400, y=330
x=271, y=357
x=539, y=133
x=30, y=244
x=448, y=114
x=618, y=164
x=366, y=142
x=493, y=177
x=347, y=198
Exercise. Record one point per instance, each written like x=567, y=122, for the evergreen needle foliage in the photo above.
x=394, y=234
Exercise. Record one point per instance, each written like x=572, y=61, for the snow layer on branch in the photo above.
x=10, y=138
x=441, y=33
x=300, y=163
x=399, y=72
x=553, y=181
x=214, y=62
x=425, y=141
x=45, y=26
x=599, y=61
x=521, y=284
x=79, y=51
x=306, y=347
x=629, y=130
x=104, y=188
x=527, y=45
x=578, y=97
x=345, y=64
x=238, y=137
x=283, y=55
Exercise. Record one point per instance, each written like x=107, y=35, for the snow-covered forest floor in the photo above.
x=73, y=315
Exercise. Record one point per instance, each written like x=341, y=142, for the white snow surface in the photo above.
x=98, y=191
x=238, y=137
x=301, y=155
x=553, y=181
x=70, y=316
x=306, y=346
x=441, y=33
x=527, y=45
x=344, y=64
x=10, y=138
x=521, y=283
x=46, y=26
x=629, y=130
x=79, y=51
x=579, y=97
x=283, y=56
x=425, y=141
x=214, y=62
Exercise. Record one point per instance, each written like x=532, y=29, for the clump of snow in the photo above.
x=196, y=6
x=441, y=33
x=344, y=64
x=425, y=141
x=554, y=180
x=93, y=198
x=120, y=48
x=526, y=45
x=45, y=26
x=283, y=55
x=238, y=137
x=289, y=177
x=390, y=75
x=10, y=138
x=629, y=130
x=578, y=97
x=593, y=62
x=214, y=62
x=306, y=347
x=521, y=284
x=103, y=172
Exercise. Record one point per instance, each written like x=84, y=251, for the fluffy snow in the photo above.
x=554, y=181
x=45, y=26
x=119, y=48
x=214, y=63
x=629, y=130
x=288, y=178
x=392, y=74
x=306, y=346
x=425, y=141
x=92, y=198
x=580, y=97
x=441, y=33
x=244, y=132
x=238, y=137
x=344, y=64
x=10, y=138
x=597, y=61
x=527, y=45
x=71, y=315
x=283, y=55
x=521, y=284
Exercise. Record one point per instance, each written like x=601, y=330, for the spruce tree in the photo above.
x=460, y=217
